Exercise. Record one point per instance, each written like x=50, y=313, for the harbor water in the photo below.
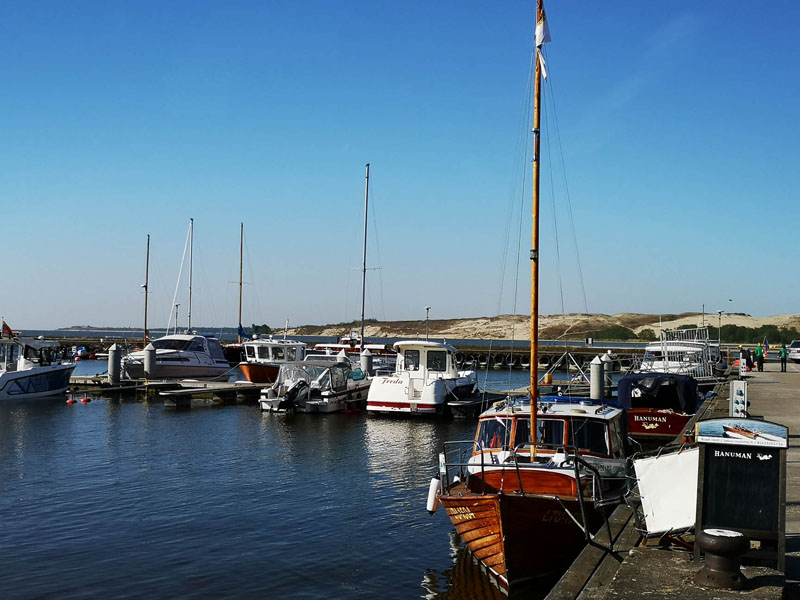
x=124, y=499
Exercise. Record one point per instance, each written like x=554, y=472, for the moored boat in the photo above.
x=658, y=405
x=179, y=356
x=525, y=510
x=531, y=489
x=264, y=356
x=32, y=368
x=425, y=378
x=316, y=387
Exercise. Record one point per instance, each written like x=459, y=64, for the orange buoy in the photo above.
x=71, y=401
x=85, y=400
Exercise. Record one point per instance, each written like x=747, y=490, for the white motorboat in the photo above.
x=264, y=356
x=425, y=379
x=316, y=387
x=180, y=356
x=32, y=368
x=682, y=352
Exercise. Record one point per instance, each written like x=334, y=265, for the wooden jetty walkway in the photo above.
x=666, y=571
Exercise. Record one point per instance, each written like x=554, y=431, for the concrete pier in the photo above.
x=667, y=570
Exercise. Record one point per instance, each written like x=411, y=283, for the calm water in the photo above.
x=128, y=500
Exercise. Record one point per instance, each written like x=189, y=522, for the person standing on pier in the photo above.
x=783, y=353
x=760, y=356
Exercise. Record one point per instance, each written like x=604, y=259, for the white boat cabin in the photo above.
x=426, y=360
x=261, y=350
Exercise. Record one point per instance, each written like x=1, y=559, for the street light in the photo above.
x=427, y=321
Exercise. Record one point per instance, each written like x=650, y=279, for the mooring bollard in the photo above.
x=596, y=379
x=114, y=364
x=366, y=361
x=149, y=361
x=723, y=550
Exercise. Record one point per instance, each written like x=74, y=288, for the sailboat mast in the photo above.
x=191, y=250
x=364, y=259
x=537, y=96
x=241, y=245
x=146, y=286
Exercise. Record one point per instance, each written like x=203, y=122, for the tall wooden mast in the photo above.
x=241, y=245
x=364, y=259
x=537, y=96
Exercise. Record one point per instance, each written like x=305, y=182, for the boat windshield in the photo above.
x=493, y=433
x=436, y=360
x=588, y=435
x=304, y=372
x=171, y=344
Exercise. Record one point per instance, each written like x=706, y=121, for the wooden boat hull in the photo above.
x=518, y=537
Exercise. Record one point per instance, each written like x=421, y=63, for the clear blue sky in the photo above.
x=678, y=123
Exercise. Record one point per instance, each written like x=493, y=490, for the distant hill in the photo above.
x=575, y=326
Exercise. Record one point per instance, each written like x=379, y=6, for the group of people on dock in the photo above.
x=755, y=359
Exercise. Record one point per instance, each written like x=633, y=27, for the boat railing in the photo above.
x=463, y=451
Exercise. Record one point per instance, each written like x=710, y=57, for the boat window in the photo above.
x=549, y=432
x=411, y=360
x=617, y=441
x=278, y=354
x=522, y=433
x=494, y=433
x=263, y=352
x=338, y=379
x=170, y=344
x=196, y=346
x=250, y=352
x=588, y=435
x=436, y=360
x=215, y=349
x=291, y=353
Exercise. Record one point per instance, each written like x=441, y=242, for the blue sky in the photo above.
x=677, y=124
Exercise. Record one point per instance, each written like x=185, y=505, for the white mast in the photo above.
x=364, y=260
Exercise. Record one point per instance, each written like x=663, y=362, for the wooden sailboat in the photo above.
x=527, y=493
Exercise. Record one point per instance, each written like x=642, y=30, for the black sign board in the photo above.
x=742, y=482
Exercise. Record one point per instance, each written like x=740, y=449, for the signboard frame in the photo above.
x=737, y=471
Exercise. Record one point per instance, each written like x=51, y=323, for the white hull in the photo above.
x=396, y=394
x=37, y=382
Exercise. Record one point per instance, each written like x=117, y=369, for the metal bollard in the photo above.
x=114, y=364
x=149, y=361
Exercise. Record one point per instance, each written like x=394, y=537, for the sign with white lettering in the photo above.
x=742, y=482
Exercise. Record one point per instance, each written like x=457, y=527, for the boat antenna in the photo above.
x=146, y=285
x=241, y=245
x=364, y=259
x=191, y=251
x=541, y=36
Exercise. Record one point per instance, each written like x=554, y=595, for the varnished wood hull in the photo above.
x=518, y=537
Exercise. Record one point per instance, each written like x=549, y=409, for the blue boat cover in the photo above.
x=658, y=390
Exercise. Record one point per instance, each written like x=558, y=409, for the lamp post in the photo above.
x=719, y=330
x=427, y=321
x=176, y=317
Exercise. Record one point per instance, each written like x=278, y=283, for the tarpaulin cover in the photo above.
x=658, y=390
